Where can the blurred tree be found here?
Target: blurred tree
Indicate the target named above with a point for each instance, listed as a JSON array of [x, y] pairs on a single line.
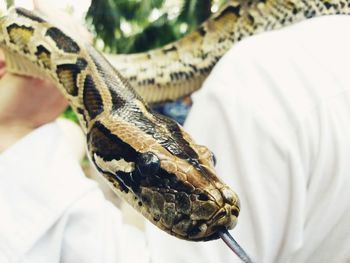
[[9, 3], [134, 26]]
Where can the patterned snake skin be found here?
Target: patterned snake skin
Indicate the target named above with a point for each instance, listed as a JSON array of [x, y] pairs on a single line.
[[178, 69], [146, 158]]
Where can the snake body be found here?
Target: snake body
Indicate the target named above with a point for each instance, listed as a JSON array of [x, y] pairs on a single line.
[[146, 158], [179, 69]]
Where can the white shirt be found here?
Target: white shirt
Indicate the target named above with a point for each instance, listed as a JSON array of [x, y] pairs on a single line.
[[50, 212], [276, 112]]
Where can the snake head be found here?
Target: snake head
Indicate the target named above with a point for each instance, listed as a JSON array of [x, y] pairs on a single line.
[[166, 176], [184, 196]]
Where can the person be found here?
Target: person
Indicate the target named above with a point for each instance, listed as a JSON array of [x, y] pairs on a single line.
[[50, 212], [276, 113]]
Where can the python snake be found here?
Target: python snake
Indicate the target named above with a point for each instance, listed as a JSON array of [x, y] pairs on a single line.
[[146, 158]]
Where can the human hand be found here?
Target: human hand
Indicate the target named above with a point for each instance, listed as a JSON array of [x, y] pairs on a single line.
[[27, 103]]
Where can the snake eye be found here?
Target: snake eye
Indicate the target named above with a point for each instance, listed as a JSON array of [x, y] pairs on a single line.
[[147, 164]]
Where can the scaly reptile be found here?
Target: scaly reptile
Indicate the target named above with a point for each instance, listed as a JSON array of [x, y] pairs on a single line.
[[146, 158]]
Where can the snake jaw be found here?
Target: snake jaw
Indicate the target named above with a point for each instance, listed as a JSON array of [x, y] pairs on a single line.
[[224, 217]]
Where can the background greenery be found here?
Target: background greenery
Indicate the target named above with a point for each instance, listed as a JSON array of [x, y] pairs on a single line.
[[130, 26]]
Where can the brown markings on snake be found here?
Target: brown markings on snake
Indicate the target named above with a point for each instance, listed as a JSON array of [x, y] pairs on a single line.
[[173, 207], [81, 112], [172, 141], [44, 55], [179, 75], [92, 98], [112, 178], [68, 74], [62, 41], [327, 5], [25, 13], [182, 148], [133, 78], [20, 36], [113, 80], [117, 101], [201, 30], [150, 81], [167, 198], [110, 147], [229, 10], [172, 48]]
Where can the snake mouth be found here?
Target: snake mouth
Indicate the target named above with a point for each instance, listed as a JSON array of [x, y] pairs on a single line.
[[225, 218], [208, 217]]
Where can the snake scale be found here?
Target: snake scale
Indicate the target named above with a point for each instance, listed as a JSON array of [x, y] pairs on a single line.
[[146, 158]]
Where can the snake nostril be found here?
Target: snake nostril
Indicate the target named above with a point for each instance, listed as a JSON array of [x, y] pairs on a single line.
[[234, 212]]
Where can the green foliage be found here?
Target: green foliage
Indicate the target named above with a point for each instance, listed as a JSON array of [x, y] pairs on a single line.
[[69, 114], [9, 3], [137, 25]]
